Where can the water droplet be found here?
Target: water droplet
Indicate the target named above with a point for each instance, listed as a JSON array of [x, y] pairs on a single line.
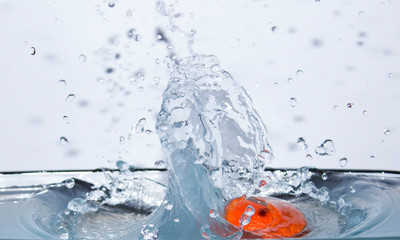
[[215, 68], [141, 89], [343, 162], [111, 4], [275, 84], [82, 58], [160, 163], [335, 107], [77, 205], [326, 148], [293, 102], [262, 183], [62, 82], [132, 33], [365, 112], [299, 72], [372, 157], [33, 50], [257, 84], [171, 8], [386, 132], [64, 140], [70, 98], [324, 176], [213, 213], [266, 156], [350, 105], [121, 140], [142, 121], [164, 127], [317, 0], [168, 205], [274, 29], [361, 13], [148, 132], [129, 13], [158, 61], [70, 183], [122, 165], [66, 119], [390, 75], [290, 80], [149, 232], [156, 81], [176, 219], [309, 157], [249, 211], [352, 189], [97, 7], [301, 143]]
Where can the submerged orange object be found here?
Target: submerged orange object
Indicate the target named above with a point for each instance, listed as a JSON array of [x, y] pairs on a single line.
[[273, 218]]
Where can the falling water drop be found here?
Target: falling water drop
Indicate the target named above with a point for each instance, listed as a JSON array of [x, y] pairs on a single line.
[[352, 189], [175, 219], [160, 163], [309, 157], [350, 105], [372, 157], [66, 119], [33, 50], [111, 3], [386, 132], [168, 206], [293, 102], [390, 75], [70, 98], [324, 176], [365, 112], [62, 82], [142, 121], [326, 148], [301, 143], [122, 165], [343, 162], [361, 13], [274, 29], [64, 140], [290, 80], [82, 58], [149, 232], [129, 13], [121, 140], [299, 72]]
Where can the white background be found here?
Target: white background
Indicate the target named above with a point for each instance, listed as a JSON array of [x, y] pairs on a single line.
[[349, 52]]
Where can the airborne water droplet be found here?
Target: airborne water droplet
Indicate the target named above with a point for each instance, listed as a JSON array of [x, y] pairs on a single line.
[[290, 80], [343, 162], [70, 98], [299, 72], [274, 29], [176, 219], [390, 75], [386, 132], [372, 157], [301, 143], [326, 148], [111, 3], [142, 121], [33, 51], [160, 163], [64, 140], [350, 105], [82, 58], [149, 232], [66, 119], [121, 140], [293, 102], [168, 205], [365, 112], [62, 82], [129, 13], [309, 157], [213, 213], [324, 176]]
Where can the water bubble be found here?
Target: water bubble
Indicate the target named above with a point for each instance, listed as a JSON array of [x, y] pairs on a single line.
[[70, 183], [122, 165], [121, 140], [64, 140], [326, 148], [33, 50], [70, 98], [309, 157], [176, 219], [82, 58], [213, 213], [66, 119], [301, 143], [293, 102], [149, 232], [350, 105], [160, 163], [299, 72], [324, 176], [274, 29], [343, 162], [386, 132], [129, 13], [62, 82], [168, 205]]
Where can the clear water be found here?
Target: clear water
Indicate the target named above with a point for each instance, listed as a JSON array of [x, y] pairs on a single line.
[[217, 150]]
